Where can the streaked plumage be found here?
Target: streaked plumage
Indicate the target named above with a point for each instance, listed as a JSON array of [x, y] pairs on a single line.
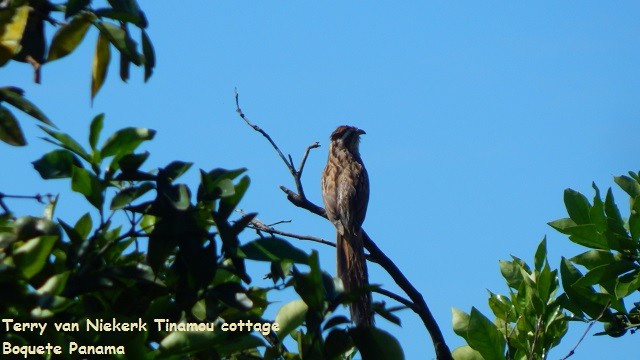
[[345, 191]]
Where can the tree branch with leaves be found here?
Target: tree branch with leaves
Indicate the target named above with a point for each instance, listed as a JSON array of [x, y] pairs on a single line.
[[416, 302]]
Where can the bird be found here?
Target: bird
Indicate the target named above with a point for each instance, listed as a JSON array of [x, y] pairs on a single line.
[[345, 193]]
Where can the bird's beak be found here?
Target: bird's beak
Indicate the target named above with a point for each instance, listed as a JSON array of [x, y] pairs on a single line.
[[361, 132]]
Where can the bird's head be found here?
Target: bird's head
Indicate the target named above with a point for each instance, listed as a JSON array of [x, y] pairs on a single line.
[[347, 137]]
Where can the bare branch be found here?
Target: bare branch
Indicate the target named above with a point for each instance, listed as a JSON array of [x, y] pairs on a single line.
[[279, 222], [264, 133], [37, 197], [573, 351], [4, 206], [302, 202], [259, 225], [376, 255], [296, 173], [290, 159], [396, 297], [306, 154]]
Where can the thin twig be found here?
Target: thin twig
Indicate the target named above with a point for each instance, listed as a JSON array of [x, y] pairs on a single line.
[[296, 173], [573, 351], [396, 308], [260, 226], [396, 297], [535, 338], [4, 206], [306, 155], [36, 197], [258, 129], [376, 255], [279, 222]]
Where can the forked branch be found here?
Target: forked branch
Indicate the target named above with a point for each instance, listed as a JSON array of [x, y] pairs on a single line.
[[298, 198], [296, 173]]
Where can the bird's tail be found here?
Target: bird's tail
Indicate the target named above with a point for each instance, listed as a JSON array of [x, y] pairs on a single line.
[[352, 269]]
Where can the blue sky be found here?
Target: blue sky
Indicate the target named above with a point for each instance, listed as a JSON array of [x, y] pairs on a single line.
[[478, 116]]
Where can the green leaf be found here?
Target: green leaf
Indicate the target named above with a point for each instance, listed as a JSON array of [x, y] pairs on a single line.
[[179, 196], [69, 36], [94, 131], [84, 225], [634, 220], [290, 316], [88, 185], [120, 38], [132, 162], [12, 25], [484, 336], [109, 13], [54, 285], [502, 307], [66, 142], [75, 6], [466, 353], [229, 203], [149, 56], [337, 343], [233, 294], [50, 208], [627, 284], [541, 254], [596, 213], [309, 286], [162, 242], [376, 344], [175, 169], [128, 195], [562, 225], [31, 256], [577, 206], [217, 183], [33, 43], [614, 220], [127, 11], [566, 303], [605, 273], [10, 131], [242, 223], [57, 164], [588, 235], [629, 185], [593, 258], [511, 272], [460, 321], [546, 283], [239, 344], [585, 298], [619, 242], [190, 342], [100, 66], [125, 141], [125, 66], [273, 249], [14, 97]]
